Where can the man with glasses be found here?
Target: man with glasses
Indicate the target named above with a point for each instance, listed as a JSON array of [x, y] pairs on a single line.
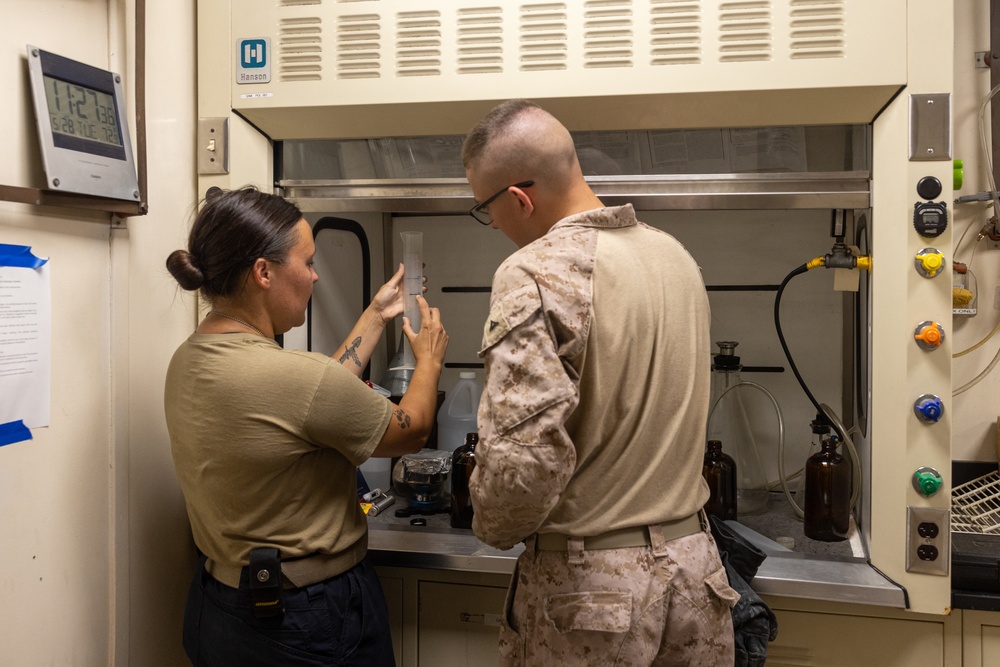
[[592, 421]]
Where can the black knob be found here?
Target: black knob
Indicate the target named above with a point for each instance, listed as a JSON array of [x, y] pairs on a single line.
[[929, 187]]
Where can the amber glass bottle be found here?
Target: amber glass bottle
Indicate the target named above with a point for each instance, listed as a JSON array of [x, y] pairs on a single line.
[[828, 494], [462, 463], [719, 471]]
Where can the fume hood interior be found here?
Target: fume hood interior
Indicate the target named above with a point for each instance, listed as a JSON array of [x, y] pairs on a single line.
[[749, 204]]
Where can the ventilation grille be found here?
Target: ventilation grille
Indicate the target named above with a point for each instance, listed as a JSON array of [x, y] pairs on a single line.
[[608, 33], [676, 32], [300, 49], [480, 41], [358, 42], [433, 39], [418, 43], [817, 29], [745, 31], [544, 36]]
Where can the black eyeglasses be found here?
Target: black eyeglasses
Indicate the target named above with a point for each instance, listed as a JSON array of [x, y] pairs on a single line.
[[479, 211]]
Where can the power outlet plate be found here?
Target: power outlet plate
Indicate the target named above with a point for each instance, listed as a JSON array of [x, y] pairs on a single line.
[[928, 541]]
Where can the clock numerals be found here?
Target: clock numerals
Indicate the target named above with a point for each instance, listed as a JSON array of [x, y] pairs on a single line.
[[82, 112]]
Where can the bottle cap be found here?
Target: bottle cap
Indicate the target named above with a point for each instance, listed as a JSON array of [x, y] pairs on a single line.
[[821, 424]]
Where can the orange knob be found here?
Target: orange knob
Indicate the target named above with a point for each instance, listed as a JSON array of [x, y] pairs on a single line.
[[930, 335]]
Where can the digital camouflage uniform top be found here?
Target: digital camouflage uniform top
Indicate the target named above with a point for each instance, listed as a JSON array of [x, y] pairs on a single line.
[[598, 361]]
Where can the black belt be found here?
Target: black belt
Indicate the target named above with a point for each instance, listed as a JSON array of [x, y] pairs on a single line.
[[298, 572]]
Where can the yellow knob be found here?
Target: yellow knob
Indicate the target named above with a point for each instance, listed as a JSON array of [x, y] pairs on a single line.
[[931, 262]]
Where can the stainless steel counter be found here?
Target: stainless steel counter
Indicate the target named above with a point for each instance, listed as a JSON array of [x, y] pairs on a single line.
[[392, 541]]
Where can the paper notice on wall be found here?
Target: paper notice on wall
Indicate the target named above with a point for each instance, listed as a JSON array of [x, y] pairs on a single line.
[[422, 157], [608, 153], [689, 151], [768, 149], [722, 151], [25, 343]]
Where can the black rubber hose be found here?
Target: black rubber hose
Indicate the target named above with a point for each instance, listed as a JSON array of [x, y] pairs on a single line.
[[781, 338]]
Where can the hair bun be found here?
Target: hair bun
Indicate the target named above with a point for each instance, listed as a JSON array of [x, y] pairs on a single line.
[[184, 267]]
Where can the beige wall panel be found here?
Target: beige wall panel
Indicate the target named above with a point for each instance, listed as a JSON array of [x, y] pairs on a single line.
[[160, 316], [37, 27], [55, 490]]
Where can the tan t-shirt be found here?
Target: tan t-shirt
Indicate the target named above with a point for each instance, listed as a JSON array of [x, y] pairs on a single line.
[[266, 443], [598, 355]]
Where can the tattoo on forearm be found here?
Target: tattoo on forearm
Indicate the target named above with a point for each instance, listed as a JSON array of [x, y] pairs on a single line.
[[352, 352], [403, 419]]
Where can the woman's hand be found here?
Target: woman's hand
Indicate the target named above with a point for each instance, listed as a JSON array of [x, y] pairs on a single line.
[[431, 342], [414, 417], [388, 301]]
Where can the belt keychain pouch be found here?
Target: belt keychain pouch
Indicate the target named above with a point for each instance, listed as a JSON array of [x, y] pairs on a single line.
[[265, 582]]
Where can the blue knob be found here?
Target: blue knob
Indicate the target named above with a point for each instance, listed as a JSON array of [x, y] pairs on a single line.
[[928, 408]]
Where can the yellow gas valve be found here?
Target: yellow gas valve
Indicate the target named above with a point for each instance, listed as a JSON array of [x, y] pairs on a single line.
[[929, 262]]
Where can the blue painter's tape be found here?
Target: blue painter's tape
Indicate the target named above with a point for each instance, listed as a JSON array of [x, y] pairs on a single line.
[[19, 255], [12, 432]]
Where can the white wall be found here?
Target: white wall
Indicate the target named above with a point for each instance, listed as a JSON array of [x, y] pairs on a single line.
[[96, 550]]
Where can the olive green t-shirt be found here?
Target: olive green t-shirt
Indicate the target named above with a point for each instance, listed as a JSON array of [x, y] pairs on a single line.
[[266, 442]]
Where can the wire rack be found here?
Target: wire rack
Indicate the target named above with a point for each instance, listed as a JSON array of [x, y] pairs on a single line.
[[975, 505]]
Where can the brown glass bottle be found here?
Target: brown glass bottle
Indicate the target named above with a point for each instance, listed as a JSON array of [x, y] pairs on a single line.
[[828, 494], [462, 463], [719, 471]]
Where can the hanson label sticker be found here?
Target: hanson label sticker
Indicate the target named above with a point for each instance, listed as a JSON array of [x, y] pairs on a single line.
[[253, 60]]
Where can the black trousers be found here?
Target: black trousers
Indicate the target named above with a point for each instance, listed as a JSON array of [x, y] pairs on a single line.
[[340, 621]]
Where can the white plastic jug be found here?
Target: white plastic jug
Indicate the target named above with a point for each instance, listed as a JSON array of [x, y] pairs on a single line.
[[457, 415], [377, 473]]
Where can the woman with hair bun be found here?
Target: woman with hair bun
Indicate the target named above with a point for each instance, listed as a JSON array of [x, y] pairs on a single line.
[[266, 443]]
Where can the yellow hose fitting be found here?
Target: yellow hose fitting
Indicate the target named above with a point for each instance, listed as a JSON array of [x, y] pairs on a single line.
[[815, 263], [865, 263]]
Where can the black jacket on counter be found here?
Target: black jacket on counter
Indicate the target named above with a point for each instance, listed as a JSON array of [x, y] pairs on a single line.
[[754, 624]]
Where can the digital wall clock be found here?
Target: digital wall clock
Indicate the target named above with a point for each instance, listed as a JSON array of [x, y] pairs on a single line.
[[82, 126]]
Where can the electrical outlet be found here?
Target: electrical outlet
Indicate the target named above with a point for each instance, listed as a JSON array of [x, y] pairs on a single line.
[[928, 543]]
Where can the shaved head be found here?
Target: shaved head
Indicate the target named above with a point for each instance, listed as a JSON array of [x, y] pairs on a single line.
[[522, 164], [518, 141]]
